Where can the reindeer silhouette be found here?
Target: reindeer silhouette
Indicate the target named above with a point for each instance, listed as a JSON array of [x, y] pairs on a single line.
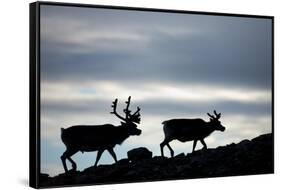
[[86, 138], [190, 130]]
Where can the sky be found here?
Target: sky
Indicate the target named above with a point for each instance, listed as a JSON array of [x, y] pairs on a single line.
[[173, 66]]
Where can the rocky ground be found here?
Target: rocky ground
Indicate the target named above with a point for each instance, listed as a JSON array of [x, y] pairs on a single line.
[[247, 157]]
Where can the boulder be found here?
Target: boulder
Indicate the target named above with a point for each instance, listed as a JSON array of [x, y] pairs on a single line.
[[181, 155], [139, 154]]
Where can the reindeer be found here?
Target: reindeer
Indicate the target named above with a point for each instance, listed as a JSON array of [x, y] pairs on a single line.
[[190, 130], [86, 138]]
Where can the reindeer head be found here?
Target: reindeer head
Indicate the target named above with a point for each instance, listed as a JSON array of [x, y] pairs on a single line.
[[130, 120], [214, 121]]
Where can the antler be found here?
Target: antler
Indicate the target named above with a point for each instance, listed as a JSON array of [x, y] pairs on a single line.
[[135, 117], [137, 112], [126, 110], [217, 115], [114, 106], [211, 116]]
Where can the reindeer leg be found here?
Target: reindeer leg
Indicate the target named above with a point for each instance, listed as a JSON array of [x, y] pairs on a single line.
[[98, 157], [203, 143], [171, 150], [166, 142], [162, 147], [74, 166], [194, 145], [67, 155], [63, 158], [112, 153]]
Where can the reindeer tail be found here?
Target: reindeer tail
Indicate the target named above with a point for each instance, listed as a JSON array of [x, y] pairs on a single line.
[[63, 135]]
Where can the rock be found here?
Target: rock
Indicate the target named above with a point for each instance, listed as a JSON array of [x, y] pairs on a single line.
[[244, 144], [159, 158], [245, 158], [139, 154], [123, 161], [44, 177], [261, 138], [181, 155]]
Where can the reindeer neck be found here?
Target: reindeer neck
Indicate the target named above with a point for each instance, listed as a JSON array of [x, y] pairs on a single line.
[[121, 134], [210, 126]]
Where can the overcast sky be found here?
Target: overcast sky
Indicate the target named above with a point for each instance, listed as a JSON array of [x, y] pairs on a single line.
[[173, 66]]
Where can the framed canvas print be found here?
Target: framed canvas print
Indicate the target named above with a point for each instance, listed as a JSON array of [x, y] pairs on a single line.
[[122, 94]]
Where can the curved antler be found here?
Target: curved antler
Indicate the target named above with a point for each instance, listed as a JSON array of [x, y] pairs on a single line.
[[135, 117], [114, 106], [137, 112], [126, 110], [217, 115], [211, 116]]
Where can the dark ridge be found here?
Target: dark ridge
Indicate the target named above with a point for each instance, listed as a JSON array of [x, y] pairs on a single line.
[[245, 158]]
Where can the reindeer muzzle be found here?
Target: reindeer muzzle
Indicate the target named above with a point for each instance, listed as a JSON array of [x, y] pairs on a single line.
[[138, 132], [222, 129]]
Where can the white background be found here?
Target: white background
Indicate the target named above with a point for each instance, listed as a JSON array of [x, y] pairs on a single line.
[[14, 77]]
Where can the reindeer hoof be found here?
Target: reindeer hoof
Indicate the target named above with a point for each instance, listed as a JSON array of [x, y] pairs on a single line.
[[74, 167], [72, 170]]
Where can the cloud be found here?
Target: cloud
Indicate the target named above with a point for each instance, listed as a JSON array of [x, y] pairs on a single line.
[[163, 47], [104, 90]]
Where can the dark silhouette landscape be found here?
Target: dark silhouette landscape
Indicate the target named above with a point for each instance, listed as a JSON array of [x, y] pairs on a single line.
[[244, 158]]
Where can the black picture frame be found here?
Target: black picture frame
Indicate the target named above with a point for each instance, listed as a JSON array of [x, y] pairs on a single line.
[[35, 85]]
